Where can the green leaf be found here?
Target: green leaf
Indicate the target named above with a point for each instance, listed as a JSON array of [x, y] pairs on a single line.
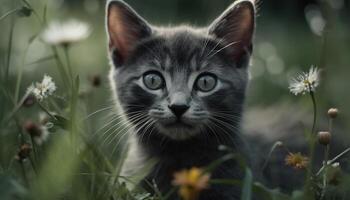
[[61, 122], [247, 185], [265, 193], [77, 84], [10, 188]]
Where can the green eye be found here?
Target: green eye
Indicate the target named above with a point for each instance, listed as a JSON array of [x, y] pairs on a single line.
[[153, 80], [206, 82]]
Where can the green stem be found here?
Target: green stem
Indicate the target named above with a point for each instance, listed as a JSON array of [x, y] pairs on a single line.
[[308, 186], [60, 67], [20, 73], [33, 165], [17, 107], [9, 50], [326, 157], [335, 159], [315, 111], [46, 111], [277, 144], [34, 148], [70, 71], [9, 13], [24, 173]]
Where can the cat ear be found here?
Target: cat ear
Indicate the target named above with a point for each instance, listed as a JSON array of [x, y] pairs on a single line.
[[235, 28], [125, 29]]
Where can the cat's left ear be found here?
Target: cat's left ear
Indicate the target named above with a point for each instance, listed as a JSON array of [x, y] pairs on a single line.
[[235, 28]]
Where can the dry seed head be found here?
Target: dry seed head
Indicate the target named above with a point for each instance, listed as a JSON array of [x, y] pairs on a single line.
[[324, 137], [32, 129], [23, 152], [333, 113]]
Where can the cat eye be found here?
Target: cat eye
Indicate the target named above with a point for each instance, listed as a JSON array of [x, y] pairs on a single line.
[[153, 80], [206, 82]]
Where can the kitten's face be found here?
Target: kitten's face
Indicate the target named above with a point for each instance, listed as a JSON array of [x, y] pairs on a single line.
[[179, 81]]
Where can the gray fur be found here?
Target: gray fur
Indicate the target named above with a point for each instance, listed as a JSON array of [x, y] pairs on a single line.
[[181, 55]]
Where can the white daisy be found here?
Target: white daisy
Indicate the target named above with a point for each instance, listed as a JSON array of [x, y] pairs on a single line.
[[306, 82], [44, 89], [58, 33]]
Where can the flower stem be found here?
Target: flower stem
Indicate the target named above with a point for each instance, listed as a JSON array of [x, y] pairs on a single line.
[[315, 111], [9, 49], [66, 52], [24, 173], [45, 110], [325, 166], [325, 162], [60, 67], [9, 13], [33, 165], [309, 175], [34, 148]]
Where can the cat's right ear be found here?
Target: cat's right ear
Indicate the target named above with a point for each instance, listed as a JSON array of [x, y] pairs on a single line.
[[125, 29]]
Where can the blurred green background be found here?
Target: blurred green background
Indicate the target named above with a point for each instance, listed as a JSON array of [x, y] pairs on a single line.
[[290, 37]]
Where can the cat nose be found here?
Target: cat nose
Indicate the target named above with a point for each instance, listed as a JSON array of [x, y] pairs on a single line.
[[178, 110]]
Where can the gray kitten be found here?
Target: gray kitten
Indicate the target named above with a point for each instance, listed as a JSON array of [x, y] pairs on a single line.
[[183, 90]]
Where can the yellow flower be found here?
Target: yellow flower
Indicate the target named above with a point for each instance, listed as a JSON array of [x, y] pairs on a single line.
[[297, 160], [191, 182]]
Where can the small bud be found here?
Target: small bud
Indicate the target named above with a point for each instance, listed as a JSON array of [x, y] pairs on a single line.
[[333, 113], [324, 137], [29, 101], [23, 152], [95, 80], [279, 144], [32, 129], [335, 165]]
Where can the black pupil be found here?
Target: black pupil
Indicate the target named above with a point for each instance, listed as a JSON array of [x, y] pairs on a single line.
[[205, 82], [152, 80]]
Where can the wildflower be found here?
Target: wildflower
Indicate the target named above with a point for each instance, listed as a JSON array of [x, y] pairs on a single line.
[[191, 182], [333, 113], [23, 152], [66, 33], [297, 160], [39, 133], [44, 89], [305, 82], [324, 137]]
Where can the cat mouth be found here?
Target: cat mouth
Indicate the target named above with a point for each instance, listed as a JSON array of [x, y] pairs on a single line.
[[178, 123]]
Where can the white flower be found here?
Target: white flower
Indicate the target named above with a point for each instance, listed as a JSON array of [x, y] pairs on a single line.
[[58, 33], [44, 135], [44, 89], [336, 165], [305, 82]]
